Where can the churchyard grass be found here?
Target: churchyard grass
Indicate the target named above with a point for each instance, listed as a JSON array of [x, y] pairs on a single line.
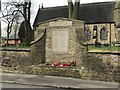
[[104, 48]]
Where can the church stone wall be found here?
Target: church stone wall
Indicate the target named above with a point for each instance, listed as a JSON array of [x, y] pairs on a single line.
[[58, 41], [111, 33], [72, 50]]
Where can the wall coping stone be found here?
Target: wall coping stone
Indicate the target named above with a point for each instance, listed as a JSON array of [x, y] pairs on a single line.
[[104, 52], [38, 39], [16, 49]]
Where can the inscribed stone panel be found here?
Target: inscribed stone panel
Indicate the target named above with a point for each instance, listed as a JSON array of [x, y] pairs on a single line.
[[61, 23], [60, 39]]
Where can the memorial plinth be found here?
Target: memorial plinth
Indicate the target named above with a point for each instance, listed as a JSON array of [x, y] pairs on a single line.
[[62, 40]]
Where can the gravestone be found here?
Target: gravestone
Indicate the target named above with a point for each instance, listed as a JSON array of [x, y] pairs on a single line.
[[61, 39]]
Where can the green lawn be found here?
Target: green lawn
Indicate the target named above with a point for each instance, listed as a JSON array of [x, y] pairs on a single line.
[[104, 48]]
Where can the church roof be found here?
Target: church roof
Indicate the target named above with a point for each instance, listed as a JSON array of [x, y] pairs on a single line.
[[101, 12]]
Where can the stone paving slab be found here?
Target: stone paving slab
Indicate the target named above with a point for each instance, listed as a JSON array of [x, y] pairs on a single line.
[[53, 81]]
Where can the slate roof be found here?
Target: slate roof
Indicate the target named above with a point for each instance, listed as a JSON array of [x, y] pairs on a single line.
[[101, 12]]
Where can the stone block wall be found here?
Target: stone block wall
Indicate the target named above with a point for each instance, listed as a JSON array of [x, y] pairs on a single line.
[[75, 49], [73, 53], [42, 46], [111, 35], [37, 54], [104, 67], [15, 58], [94, 66]]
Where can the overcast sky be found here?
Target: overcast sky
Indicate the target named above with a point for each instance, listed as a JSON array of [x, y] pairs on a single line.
[[52, 3]]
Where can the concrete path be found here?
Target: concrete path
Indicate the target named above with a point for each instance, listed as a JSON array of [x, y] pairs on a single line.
[[54, 81]]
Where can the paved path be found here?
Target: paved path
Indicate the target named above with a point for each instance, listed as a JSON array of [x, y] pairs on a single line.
[[28, 87], [53, 81], [11, 85]]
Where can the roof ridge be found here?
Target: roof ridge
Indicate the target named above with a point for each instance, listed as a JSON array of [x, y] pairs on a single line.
[[56, 7]]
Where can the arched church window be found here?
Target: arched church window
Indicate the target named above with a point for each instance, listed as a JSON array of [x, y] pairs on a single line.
[[87, 33], [103, 33]]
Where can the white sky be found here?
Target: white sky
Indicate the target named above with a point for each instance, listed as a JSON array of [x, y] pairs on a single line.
[[51, 3]]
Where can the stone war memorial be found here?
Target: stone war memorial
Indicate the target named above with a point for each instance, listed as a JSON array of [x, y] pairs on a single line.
[[58, 40], [62, 40]]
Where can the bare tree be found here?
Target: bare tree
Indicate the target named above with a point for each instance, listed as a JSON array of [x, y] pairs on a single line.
[[11, 11], [16, 26], [15, 10]]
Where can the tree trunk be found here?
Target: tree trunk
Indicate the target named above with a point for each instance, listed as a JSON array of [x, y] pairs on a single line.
[[7, 34], [70, 8], [7, 44], [29, 12], [73, 11], [16, 33], [25, 24], [76, 9], [15, 38]]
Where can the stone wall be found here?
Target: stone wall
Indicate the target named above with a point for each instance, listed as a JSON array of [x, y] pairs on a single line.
[[43, 46], [37, 54], [94, 66], [15, 58], [104, 67], [74, 48], [73, 52], [111, 33]]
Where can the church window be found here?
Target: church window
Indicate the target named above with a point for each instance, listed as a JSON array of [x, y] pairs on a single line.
[[87, 33], [103, 33]]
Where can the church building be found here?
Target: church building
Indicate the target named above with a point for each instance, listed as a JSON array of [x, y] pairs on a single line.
[[99, 18]]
